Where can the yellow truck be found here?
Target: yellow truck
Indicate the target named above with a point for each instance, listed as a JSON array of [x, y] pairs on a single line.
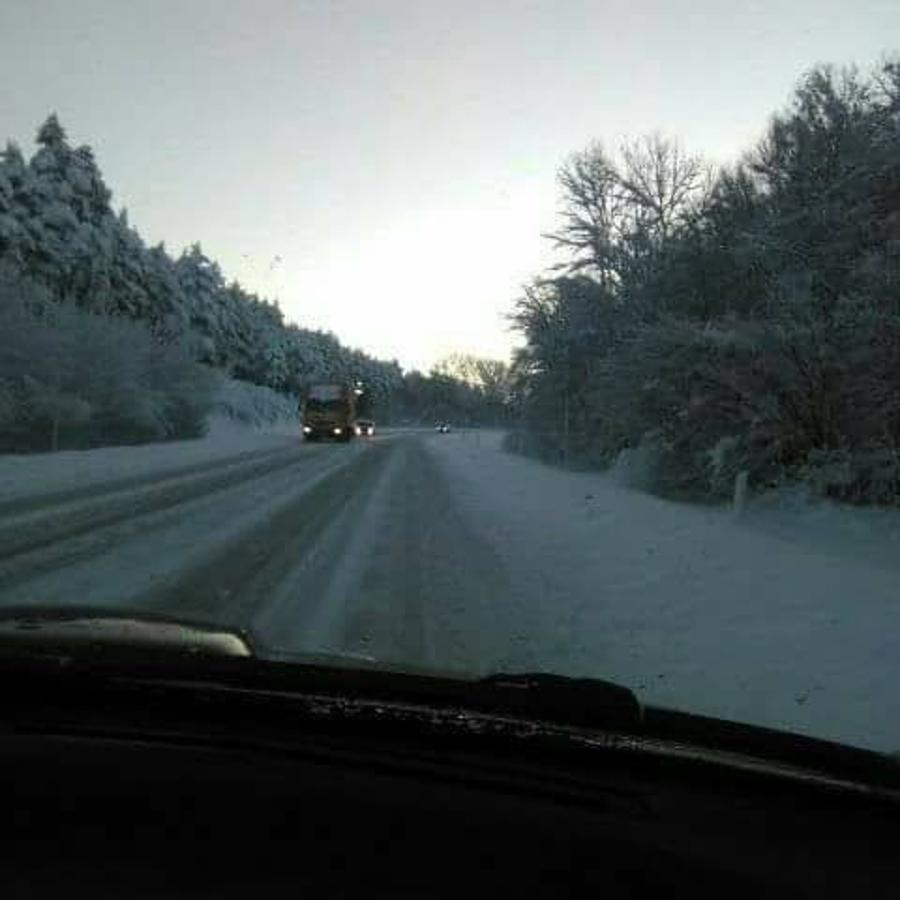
[[328, 412]]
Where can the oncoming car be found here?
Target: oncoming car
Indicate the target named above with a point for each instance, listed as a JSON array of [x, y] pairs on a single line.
[[364, 428], [442, 428]]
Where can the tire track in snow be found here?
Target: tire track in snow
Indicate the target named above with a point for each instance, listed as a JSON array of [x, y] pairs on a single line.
[[34, 544], [428, 591], [394, 576], [309, 610], [32, 503], [246, 573], [348, 551]]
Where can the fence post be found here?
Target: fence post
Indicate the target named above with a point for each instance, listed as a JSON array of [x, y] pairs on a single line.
[[739, 499]]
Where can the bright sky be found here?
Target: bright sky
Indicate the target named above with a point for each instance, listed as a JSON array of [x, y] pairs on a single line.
[[397, 156]]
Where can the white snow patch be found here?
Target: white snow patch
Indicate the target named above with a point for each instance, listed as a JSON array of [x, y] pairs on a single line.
[[766, 620], [157, 549], [245, 417], [33, 474], [255, 405]]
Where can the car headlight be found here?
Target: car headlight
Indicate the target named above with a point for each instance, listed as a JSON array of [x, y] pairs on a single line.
[[307, 429], [358, 430], [337, 430]]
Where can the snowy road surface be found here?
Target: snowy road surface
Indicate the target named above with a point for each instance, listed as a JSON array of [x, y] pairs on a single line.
[[442, 551]]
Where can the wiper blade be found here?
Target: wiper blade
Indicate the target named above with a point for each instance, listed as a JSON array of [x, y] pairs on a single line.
[[575, 701], [90, 635], [90, 632]]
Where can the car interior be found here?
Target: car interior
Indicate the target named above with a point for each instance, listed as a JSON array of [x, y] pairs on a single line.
[[152, 784]]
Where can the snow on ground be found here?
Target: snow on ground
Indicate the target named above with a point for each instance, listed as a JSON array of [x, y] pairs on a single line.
[[759, 620], [33, 474], [788, 617], [864, 534], [245, 417], [157, 548]]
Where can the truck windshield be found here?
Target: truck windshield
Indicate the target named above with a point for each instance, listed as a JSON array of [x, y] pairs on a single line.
[[325, 405]]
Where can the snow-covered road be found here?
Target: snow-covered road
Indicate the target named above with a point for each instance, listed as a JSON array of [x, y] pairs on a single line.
[[779, 619], [445, 552]]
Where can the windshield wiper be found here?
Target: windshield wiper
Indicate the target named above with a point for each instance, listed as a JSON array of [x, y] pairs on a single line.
[[92, 631], [92, 635], [575, 701], [157, 649]]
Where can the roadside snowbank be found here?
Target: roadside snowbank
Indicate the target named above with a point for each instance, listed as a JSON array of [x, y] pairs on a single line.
[[245, 417], [254, 406], [33, 474], [759, 621]]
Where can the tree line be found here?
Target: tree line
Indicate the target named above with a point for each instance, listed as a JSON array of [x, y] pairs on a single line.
[[104, 339], [706, 323]]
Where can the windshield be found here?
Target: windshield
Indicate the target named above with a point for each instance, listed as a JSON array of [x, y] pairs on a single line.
[[325, 405], [642, 257]]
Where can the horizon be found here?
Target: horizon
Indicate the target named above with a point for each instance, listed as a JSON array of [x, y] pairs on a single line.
[[386, 174]]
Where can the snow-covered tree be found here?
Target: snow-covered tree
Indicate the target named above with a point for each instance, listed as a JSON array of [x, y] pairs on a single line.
[[202, 286], [59, 233], [750, 323], [14, 187]]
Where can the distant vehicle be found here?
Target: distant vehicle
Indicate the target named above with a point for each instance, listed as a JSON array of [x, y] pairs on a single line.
[[329, 411], [365, 428], [443, 428]]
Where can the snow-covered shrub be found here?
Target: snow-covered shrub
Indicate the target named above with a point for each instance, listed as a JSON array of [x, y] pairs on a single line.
[[639, 467], [252, 404], [724, 462], [871, 476], [72, 379]]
